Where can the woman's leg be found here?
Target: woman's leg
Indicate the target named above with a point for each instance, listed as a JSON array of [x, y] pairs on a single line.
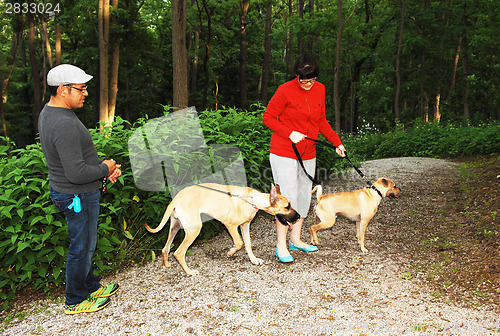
[[281, 239]]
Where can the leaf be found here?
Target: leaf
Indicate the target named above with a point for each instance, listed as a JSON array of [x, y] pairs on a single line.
[[128, 235], [21, 246], [36, 220], [60, 250]]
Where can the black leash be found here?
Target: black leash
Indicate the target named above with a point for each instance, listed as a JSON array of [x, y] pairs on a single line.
[[228, 193], [327, 144]]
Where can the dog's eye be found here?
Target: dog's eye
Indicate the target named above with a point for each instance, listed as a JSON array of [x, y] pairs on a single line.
[[288, 207]]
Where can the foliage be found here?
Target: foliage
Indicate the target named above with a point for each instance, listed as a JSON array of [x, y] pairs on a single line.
[[427, 139], [436, 33]]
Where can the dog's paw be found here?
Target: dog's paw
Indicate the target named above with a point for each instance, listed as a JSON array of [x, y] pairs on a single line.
[[364, 249], [257, 261], [166, 264], [193, 273], [231, 252]]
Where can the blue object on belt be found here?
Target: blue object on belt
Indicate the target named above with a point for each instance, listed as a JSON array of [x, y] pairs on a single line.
[[76, 205]]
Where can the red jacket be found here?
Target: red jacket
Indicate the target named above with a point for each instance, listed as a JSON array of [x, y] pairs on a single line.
[[294, 109]]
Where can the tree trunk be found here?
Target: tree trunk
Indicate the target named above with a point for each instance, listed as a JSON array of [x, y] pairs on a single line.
[[336, 70], [336, 83], [244, 4], [454, 71], [206, 57], [4, 86], [103, 16], [45, 38], [115, 63], [398, 63], [57, 39], [465, 67], [194, 66], [300, 9], [58, 43], [267, 54], [179, 55], [35, 73], [310, 38], [289, 43]]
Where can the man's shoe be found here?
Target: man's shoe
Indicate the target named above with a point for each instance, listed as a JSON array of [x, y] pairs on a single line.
[[104, 291], [87, 306], [293, 247]]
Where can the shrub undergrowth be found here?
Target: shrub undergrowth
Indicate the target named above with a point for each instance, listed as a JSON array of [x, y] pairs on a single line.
[[33, 235]]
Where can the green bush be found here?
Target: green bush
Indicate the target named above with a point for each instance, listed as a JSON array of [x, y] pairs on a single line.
[[427, 139]]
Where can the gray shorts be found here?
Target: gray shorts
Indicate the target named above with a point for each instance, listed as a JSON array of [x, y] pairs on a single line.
[[293, 182]]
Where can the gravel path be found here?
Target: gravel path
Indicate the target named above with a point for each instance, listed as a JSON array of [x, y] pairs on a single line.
[[337, 290]]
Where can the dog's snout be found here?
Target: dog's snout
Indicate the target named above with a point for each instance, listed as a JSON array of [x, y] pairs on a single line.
[[288, 218]]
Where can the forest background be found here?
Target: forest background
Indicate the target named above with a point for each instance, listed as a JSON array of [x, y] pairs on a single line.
[[381, 61], [402, 78]]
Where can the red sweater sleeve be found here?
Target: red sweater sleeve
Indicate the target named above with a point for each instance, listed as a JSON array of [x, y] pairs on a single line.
[[275, 107], [328, 132]]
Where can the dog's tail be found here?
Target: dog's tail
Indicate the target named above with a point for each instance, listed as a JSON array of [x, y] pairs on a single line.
[[319, 194], [164, 220]]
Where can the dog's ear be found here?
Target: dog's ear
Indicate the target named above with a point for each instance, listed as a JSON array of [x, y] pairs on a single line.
[[278, 190], [385, 182], [273, 195]]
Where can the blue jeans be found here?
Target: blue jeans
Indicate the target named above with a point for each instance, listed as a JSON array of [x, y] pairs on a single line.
[[82, 231]]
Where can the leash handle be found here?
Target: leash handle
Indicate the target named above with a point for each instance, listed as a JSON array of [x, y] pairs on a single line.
[[299, 158], [327, 144]]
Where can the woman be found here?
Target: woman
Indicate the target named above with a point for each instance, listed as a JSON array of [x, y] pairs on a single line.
[[297, 111]]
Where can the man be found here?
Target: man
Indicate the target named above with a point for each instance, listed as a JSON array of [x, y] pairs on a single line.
[[75, 171]]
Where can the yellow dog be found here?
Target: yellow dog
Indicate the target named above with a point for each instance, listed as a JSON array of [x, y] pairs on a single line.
[[233, 206], [359, 206]]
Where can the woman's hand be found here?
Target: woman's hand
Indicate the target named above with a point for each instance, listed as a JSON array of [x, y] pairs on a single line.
[[296, 137], [341, 150]]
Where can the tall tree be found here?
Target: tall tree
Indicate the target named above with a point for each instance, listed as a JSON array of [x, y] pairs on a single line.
[[398, 61], [465, 65], [103, 16], [35, 73], [115, 63], [289, 42], [300, 9], [17, 35], [57, 30], [179, 54], [244, 4], [336, 84], [267, 53]]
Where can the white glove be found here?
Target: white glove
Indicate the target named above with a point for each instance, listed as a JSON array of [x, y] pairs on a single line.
[[296, 137]]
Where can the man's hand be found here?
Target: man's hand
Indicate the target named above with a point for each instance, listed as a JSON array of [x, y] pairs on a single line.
[[115, 174], [111, 165], [114, 171]]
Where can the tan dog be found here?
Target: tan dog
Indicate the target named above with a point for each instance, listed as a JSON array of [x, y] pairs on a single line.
[[359, 206], [233, 206]]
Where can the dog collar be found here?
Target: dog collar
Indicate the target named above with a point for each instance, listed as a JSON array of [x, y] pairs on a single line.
[[371, 186]]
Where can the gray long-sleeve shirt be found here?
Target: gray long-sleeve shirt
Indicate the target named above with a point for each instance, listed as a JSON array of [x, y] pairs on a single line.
[[72, 160]]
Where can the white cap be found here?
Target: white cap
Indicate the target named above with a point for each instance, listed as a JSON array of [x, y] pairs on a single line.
[[65, 74]]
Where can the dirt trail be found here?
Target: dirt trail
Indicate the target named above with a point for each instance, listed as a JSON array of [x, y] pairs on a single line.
[[336, 290]]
